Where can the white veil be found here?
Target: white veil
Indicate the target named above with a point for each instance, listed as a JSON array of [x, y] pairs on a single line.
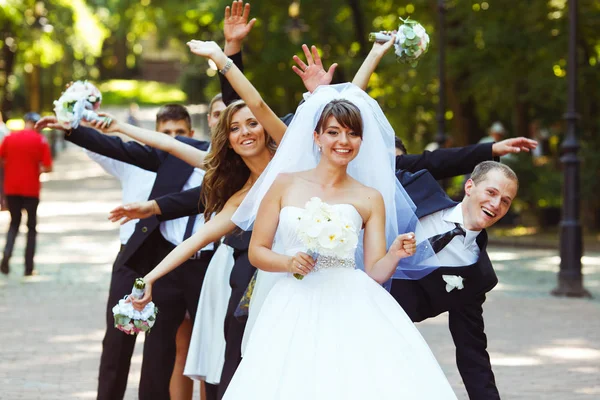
[[374, 166]]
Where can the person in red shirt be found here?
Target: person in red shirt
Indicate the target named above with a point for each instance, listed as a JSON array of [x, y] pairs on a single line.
[[25, 155]]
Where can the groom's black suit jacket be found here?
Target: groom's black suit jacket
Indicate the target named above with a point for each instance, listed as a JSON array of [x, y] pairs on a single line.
[[427, 297]]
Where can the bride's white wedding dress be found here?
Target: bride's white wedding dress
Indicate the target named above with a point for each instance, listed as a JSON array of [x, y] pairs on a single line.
[[336, 334]]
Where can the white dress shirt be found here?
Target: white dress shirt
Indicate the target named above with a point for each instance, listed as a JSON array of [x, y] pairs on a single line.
[[462, 250], [174, 230], [136, 184]]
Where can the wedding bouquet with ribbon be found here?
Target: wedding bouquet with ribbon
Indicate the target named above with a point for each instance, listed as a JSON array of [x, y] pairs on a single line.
[[130, 320], [80, 101], [412, 41], [324, 231]]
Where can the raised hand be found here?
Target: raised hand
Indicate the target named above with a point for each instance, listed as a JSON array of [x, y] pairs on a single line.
[[313, 74], [404, 245], [209, 50], [514, 145], [236, 26], [131, 211], [52, 123], [379, 49]]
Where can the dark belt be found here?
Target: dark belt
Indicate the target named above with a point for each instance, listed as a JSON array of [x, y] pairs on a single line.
[[202, 255]]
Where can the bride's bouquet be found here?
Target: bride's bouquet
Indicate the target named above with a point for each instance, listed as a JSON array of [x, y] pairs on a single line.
[[412, 41], [130, 320], [324, 232], [81, 100]]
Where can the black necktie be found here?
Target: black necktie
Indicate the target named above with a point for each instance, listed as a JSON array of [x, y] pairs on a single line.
[[189, 227], [438, 242]]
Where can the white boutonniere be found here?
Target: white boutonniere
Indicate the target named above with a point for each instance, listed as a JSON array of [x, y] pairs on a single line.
[[453, 282]]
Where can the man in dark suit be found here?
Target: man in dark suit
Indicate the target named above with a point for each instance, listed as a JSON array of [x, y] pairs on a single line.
[[458, 237], [151, 241]]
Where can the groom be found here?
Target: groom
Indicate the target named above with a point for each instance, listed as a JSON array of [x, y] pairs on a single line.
[[457, 235]]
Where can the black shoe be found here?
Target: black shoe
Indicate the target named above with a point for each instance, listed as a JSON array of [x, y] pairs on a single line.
[[31, 273], [4, 267]]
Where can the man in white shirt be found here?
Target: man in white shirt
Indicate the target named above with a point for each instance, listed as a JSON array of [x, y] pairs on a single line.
[[456, 232]]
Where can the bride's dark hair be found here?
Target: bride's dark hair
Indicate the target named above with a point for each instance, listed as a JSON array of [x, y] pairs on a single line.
[[226, 172], [345, 112]]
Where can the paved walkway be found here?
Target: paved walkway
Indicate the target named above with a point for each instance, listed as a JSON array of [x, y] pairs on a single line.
[[51, 325]]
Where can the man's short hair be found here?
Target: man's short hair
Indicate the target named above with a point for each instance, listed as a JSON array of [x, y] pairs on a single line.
[[32, 117], [218, 97], [173, 112], [483, 168], [400, 145]]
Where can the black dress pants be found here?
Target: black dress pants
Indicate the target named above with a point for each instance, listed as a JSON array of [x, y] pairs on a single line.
[[15, 205]]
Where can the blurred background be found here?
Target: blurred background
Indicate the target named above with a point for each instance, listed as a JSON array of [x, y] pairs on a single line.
[[505, 62]]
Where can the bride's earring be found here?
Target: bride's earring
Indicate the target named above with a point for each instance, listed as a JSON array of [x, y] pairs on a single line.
[[320, 149]]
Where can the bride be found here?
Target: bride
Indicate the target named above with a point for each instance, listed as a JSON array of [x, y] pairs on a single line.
[[336, 333]]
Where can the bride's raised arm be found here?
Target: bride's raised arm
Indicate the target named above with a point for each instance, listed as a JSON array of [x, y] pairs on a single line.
[[361, 79], [263, 113]]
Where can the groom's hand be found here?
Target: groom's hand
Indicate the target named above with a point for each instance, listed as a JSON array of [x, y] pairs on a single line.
[[515, 145]]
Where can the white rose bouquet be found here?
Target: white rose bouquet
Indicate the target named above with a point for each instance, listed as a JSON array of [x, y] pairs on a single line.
[[130, 320], [412, 41], [80, 100], [324, 232]]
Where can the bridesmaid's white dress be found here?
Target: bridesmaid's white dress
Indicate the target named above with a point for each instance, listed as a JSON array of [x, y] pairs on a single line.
[[334, 335], [206, 354]]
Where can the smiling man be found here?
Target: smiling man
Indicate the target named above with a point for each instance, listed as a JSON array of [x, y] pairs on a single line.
[[463, 273]]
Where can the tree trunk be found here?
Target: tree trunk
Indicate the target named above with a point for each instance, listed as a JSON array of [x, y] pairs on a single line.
[[359, 25]]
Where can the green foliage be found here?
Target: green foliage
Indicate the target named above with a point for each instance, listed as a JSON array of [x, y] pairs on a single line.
[[123, 92]]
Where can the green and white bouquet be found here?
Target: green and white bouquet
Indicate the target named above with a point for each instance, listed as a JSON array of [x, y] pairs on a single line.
[[130, 320], [325, 232], [80, 101], [412, 41]]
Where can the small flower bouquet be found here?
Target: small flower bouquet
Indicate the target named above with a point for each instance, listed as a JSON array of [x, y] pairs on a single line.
[[80, 100], [130, 320], [324, 232], [412, 41]]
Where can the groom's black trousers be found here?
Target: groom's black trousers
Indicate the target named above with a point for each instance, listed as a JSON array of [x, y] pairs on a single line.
[[173, 294]]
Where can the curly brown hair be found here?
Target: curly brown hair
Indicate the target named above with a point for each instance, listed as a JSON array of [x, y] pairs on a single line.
[[226, 172]]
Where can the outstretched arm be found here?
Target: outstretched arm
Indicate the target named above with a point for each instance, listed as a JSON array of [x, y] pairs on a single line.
[[361, 79], [242, 86], [157, 140], [447, 163], [211, 231]]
